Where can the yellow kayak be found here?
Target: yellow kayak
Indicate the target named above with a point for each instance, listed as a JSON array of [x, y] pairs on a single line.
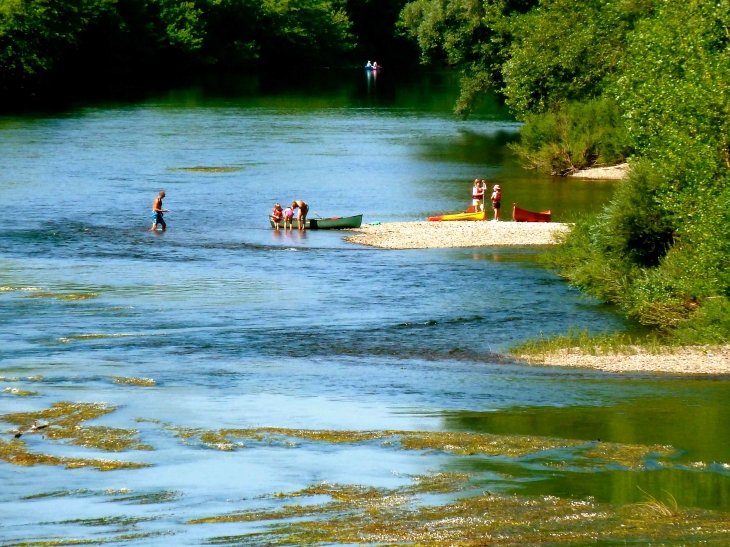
[[460, 216]]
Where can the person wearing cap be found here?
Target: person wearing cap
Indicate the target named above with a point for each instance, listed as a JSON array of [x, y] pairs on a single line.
[[496, 201]]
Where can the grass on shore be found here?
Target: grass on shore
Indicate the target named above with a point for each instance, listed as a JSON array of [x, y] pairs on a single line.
[[600, 344]]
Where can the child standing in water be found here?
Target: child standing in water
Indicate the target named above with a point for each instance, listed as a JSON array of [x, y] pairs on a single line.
[[288, 218], [276, 214], [496, 200]]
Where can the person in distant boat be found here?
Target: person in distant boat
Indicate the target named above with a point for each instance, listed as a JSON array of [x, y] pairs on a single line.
[[369, 65], [375, 65], [477, 196], [303, 210], [276, 214], [288, 218], [157, 211], [496, 200]]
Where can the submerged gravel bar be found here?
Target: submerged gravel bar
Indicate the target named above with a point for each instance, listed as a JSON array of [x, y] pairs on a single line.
[[434, 235]]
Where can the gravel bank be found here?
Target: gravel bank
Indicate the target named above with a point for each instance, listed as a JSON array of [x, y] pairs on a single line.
[[615, 172], [435, 235], [686, 360]]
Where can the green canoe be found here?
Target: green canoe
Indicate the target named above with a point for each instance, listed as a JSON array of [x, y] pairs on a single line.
[[334, 223]]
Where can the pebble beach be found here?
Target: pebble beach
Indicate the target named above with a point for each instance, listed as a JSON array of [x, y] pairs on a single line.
[[682, 360], [440, 235]]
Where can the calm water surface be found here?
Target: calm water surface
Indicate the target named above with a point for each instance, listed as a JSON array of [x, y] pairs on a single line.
[[242, 327]]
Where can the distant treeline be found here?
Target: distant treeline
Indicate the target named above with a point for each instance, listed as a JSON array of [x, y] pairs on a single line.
[[45, 44], [599, 81]]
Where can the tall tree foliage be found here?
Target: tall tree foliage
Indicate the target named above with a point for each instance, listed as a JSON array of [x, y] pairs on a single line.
[[668, 230], [42, 40], [473, 35]]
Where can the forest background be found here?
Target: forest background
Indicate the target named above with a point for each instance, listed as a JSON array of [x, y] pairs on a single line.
[[596, 82]]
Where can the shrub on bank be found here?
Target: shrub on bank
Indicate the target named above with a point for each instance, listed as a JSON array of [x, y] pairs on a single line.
[[574, 136]]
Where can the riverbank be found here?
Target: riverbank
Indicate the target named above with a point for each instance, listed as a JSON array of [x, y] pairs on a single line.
[[673, 360], [613, 172], [439, 235]]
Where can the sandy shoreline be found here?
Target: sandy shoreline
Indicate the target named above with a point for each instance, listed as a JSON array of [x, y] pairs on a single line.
[[441, 235], [683, 360], [614, 172]]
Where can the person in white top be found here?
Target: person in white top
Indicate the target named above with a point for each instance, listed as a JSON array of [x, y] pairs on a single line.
[[477, 196]]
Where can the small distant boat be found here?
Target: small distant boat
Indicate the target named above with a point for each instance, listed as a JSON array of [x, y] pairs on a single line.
[[373, 68], [482, 215], [332, 223], [522, 215]]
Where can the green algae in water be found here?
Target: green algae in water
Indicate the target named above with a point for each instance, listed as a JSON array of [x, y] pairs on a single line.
[[84, 492], [36, 378], [514, 446], [57, 494], [459, 443], [475, 521], [146, 382], [119, 495], [63, 414], [123, 521], [627, 455], [19, 392], [15, 452], [122, 538], [63, 423], [346, 498], [162, 496], [109, 439], [201, 169], [67, 339], [68, 297]]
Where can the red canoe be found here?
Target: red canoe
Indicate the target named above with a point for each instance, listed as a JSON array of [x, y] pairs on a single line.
[[521, 215]]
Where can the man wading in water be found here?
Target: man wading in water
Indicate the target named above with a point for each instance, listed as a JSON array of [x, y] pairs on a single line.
[[157, 211]]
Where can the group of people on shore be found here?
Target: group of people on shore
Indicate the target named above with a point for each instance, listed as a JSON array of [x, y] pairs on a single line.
[[479, 191], [287, 215]]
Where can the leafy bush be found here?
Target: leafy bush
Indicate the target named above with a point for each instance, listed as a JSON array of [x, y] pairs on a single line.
[[574, 136]]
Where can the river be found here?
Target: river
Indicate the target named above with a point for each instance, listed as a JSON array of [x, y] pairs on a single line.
[[207, 357]]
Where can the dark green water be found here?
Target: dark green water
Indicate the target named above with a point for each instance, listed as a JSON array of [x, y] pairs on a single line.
[[243, 328]]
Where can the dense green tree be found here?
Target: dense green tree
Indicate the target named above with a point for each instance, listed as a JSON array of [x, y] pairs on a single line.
[[661, 247], [472, 35], [61, 41], [34, 35]]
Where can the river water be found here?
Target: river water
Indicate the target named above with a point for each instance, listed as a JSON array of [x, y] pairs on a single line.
[[220, 323]]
